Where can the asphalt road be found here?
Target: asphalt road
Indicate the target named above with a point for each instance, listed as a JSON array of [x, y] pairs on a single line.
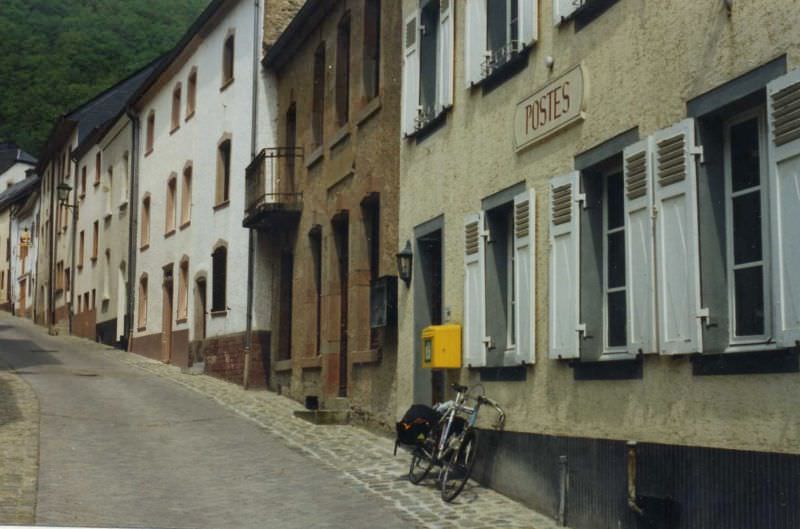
[[121, 447]]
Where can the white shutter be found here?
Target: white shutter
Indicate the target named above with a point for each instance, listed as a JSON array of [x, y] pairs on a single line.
[[563, 9], [564, 266], [639, 263], [677, 253], [475, 339], [410, 73], [525, 278], [474, 41], [783, 98], [444, 82], [528, 21]]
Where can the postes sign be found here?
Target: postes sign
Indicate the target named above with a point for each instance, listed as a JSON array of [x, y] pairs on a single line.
[[549, 109]]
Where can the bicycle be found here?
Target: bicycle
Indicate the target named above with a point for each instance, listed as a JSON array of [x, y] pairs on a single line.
[[452, 445]]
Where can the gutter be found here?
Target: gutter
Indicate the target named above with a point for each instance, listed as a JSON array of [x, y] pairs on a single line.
[[133, 220]]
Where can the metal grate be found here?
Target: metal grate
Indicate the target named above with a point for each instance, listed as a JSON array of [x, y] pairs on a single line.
[[671, 160], [562, 204], [521, 219], [411, 33], [636, 175], [472, 238], [786, 114]]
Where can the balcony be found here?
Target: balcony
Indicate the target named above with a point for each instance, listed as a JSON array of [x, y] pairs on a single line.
[[271, 198]]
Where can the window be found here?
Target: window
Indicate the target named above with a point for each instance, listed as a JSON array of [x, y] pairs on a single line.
[[94, 299], [372, 217], [318, 103], [343, 70], [223, 172], [86, 305], [83, 181], [142, 313], [499, 293], [151, 127], [227, 62], [82, 247], [372, 48], [219, 277], [191, 93], [496, 32], [110, 191], [169, 223], [60, 275], [746, 230], [97, 169], [145, 222], [291, 142], [107, 276], [428, 64], [176, 107], [614, 309], [183, 290], [95, 240], [186, 196], [123, 189], [66, 280]]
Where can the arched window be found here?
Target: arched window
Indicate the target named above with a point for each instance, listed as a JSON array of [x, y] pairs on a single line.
[[186, 195], [142, 313], [183, 290], [219, 263], [191, 93], [176, 107], [227, 61], [223, 172], [151, 125]]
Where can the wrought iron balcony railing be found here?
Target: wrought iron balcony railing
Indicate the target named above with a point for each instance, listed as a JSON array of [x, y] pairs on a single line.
[[270, 181]]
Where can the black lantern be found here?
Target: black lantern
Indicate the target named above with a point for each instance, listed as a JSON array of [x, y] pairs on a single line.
[[64, 190], [404, 261]]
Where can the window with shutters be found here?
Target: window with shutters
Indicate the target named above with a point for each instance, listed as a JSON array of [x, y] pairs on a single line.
[[318, 102], [176, 108], [343, 70], [502, 34], [614, 299], [500, 277], [219, 263], [428, 36], [371, 48]]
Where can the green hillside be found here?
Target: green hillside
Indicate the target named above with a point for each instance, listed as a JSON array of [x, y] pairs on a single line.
[[55, 54]]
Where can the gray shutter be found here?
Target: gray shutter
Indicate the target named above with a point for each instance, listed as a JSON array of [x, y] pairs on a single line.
[[783, 99], [474, 41], [677, 247], [525, 278], [444, 82], [410, 73], [564, 266], [475, 339], [563, 9], [528, 12]]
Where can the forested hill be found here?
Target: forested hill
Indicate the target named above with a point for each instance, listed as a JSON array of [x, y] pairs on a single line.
[[56, 54]]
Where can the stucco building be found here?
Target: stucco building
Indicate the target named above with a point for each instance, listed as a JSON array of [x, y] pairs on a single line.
[[323, 200], [605, 197], [18, 242]]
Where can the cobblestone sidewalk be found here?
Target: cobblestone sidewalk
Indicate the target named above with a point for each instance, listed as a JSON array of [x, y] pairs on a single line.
[[360, 456], [19, 449]]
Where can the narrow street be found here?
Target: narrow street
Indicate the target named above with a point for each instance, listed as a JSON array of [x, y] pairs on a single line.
[[125, 441]]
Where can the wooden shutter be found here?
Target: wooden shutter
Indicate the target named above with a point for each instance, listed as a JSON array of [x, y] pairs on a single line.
[[474, 41], [444, 83], [525, 278], [475, 339], [563, 9], [564, 266], [639, 263], [783, 99], [410, 73], [677, 249], [528, 21]]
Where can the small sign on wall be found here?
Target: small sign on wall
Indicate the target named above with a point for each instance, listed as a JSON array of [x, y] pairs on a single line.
[[551, 108]]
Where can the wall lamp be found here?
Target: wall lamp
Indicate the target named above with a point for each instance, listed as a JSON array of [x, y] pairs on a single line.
[[405, 258], [64, 189]]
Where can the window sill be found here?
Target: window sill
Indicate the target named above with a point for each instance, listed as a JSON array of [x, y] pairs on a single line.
[[222, 205], [502, 73], [219, 313], [189, 116], [181, 321], [309, 362], [340, 136], [169, 234], [185, 225], [175, 129], [283, 365], [226, 84], [314, 156], [371, 356], [429, 127], [144, 247], [369, 110]]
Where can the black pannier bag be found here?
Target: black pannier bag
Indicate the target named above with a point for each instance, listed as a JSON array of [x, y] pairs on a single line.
[[415, 425]]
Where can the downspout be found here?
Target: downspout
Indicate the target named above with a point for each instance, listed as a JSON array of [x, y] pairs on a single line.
[[133, 212], [51, 310], [73, 273], [248, 335]]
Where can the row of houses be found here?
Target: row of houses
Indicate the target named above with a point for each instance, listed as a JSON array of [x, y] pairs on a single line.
[[605, 195]]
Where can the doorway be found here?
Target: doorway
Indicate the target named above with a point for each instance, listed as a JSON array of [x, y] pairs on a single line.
[[429, 386], [166, 320], [23, 295], [285, 314], [341, 228]]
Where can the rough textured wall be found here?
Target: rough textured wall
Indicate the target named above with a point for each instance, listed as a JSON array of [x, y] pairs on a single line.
[[642, 61], [277, 15]]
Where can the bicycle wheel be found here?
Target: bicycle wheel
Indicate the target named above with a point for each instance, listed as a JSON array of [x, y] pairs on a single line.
[[459, 467], [421, 465]]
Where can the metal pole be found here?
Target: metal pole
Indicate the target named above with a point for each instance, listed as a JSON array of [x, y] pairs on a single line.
[[133, 212], [73, 275]]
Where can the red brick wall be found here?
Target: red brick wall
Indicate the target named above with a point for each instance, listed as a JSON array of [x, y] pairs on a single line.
[[224, 357], [85, 324]]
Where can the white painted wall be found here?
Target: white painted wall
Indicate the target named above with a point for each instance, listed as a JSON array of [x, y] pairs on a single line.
[[12, 175], [27, 273]]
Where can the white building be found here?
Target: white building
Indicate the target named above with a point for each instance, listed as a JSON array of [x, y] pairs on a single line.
[[24, 251], [14, 163]]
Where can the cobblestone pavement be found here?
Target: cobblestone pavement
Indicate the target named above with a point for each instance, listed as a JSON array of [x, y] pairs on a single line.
[[362, 457], [19, 448]]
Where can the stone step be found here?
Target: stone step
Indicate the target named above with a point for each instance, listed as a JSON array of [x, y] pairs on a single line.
[[323, 416], [337, 404]]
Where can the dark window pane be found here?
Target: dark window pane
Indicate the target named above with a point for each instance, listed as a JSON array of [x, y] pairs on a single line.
[[617, 319], [747, 228], [496, 24], [429, 18], [616, 208], [749, 285], [744, 155], [616, 259]]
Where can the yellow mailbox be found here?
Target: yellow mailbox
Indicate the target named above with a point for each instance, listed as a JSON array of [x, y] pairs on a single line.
[[441, 346]]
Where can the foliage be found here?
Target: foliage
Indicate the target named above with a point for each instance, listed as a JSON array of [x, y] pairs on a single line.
[[56, 54]]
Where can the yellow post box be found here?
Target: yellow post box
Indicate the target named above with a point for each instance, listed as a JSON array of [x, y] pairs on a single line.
[[441, 346]]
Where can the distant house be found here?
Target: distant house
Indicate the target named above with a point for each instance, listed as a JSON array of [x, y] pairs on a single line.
[[14, 162], [18, 244]]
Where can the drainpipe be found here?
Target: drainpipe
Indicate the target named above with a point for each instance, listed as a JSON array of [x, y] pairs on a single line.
[[73, 274], [133, 212], [248, 335], [51, 310]]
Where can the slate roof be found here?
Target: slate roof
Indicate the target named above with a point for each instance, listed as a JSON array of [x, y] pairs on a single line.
[[10, 154], [19, 191]]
